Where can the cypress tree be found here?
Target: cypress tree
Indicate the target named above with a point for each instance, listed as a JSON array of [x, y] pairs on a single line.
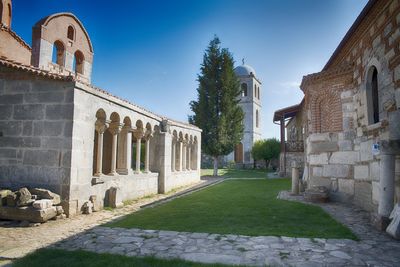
[[216, 110]]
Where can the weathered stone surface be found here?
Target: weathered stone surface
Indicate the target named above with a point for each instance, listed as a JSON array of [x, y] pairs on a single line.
[[318, 147], [366, 150], [11, 199], [346, 186], [363, 195], [344, 157], [3, 196], [24, 197], [41, 157], [317, 194], [317, 171], [29, 112], [338, 171], [114, 197], [42, 204], [361, 172], [59, 210], [27, 213], [87, 207], [394, 227], [96, 203], [46, 194], [318, 159]]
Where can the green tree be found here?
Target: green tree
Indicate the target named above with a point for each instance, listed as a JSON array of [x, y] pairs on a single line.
[[216, 110], [266, 149]]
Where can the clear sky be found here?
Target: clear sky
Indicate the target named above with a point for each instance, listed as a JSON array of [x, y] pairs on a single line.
[[149, 52]]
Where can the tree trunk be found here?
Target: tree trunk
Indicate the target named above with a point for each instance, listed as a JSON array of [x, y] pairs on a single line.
[[266, 164], [215, 166]]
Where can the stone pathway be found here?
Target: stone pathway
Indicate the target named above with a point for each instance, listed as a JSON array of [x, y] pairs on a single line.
[[374, 249], [15, 242]]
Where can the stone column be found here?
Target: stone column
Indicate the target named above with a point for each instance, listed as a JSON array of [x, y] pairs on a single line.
[[115, 130], [184, 145], [138, 136], [295, 179], [100, 129], [129, 151], [189, 156], [173, 155], [180, 154], [147, 156], [386, 184]]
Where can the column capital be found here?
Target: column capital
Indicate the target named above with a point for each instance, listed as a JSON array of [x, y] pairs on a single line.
[[101, 126], [138, 133], [115, 128]]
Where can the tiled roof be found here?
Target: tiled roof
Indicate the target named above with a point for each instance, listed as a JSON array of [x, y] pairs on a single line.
[[13, 34]]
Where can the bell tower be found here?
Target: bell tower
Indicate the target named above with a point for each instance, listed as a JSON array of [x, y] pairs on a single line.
[[250, 101]]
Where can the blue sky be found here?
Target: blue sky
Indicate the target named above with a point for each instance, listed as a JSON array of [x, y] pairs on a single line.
[[150, 52]]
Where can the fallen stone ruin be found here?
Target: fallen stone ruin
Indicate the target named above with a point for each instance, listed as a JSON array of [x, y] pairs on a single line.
[[35, 205]]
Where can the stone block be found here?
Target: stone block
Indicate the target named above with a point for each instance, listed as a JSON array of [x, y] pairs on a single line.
[[47, 97], [59, 112], [24, 197], [48, 128], [96, 203], [8, 153], [41, 157], [337, 171], [28, 112], [319, 147], [363, 195], [42, 204], [366, 150], [344, 157], [11, 128], [27, 214], [25, 142], [11, 99], [361, 172], [345, 145], [318, 159], [394, 125], [87, 207], [114, 197], [319, 137], [3, 196], [11, 200], [27, 128], [375, 192], [5, 112], [59, 210], [317, 171], [320, 181], [46, 194], [346, 186]]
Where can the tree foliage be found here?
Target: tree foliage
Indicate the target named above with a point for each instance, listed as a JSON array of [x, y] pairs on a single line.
[[216, 110], [266, 149]]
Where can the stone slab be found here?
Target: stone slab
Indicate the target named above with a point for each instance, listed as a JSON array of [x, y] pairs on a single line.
[[42, 204], [27, 214]]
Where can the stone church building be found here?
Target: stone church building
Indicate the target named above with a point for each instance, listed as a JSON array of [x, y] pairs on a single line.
[[59, 132], [351, 115], [250, 101]]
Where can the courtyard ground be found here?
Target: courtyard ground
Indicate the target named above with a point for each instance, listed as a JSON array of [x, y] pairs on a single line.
[[372, 249]]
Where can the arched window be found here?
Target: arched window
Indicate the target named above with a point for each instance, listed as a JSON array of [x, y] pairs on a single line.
[[372, 96], [257, 118], [255, 91], [71, 33], [58, 53], [78, 62], [1, 12], [244, 89], [9, 15], [258, 92]]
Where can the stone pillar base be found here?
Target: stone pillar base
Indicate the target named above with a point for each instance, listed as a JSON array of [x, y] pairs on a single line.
[[380, 222]]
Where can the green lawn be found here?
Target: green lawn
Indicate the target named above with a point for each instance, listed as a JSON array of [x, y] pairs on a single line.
[[232, 173], [62, 258], [247, 207]]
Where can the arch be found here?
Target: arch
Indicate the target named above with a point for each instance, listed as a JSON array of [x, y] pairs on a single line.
[[372, 95], [1, 12], [71, 33], [114, 117], [243, 87], [139, 124], [258, 92], [127, 121], [255, 90], [101, 114], [79, 62], [58, 56], [238, 155]]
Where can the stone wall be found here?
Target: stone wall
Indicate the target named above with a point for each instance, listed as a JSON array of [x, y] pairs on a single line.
[[13, 47], [339, 154], [35, 133]]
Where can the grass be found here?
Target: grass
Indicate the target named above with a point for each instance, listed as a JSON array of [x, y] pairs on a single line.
[[233, 173], [246, 207], [61, 258]]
